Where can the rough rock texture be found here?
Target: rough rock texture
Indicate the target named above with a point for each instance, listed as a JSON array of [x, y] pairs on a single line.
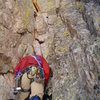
[[77, 69], [70, 30], [16, 26]]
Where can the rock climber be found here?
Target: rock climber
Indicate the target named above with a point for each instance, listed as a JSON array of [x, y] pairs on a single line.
[[31, 76]]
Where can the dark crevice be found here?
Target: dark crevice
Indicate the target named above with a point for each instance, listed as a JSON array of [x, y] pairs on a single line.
[[23, 32], [89, 21], [6, 27], [95, 1], [4, 73], [67, 24]]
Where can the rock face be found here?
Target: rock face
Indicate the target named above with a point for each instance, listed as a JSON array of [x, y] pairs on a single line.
[[70, 32], [16, 26]]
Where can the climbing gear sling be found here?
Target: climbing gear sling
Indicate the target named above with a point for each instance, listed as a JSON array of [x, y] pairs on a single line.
[[29, 71]]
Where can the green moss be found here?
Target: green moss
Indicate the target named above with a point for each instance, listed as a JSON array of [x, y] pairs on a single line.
[[58, 23], [98, 20], [27, 16], [98, 55], [66, 33], [51, 4], [57, 98], [81, 97], [79, 6], [51, 40], [61, 49]]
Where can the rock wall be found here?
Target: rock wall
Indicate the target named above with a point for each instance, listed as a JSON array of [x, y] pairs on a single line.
[[16, 26], [77, 70], [70, 32]]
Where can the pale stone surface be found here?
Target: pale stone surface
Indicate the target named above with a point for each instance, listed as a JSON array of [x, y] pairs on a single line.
[[40, 23], [16, 27], [71, 45], [6, 86]]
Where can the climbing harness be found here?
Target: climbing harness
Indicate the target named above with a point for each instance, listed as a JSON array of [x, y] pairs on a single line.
[[37, 76], [34, 73]]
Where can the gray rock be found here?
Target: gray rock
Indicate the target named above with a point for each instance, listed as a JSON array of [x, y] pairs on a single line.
[[71, 45]]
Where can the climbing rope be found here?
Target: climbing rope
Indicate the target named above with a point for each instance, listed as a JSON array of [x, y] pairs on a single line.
[[36, 10], [36, 6]]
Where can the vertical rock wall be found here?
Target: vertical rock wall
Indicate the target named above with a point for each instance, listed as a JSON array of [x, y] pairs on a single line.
[[70, 30], [16, 26], [76, 39]]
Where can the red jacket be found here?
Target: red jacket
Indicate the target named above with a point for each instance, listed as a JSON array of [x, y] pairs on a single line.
[[29, 60]]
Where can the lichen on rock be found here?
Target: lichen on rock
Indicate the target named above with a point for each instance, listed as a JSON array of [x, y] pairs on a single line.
[[70, 32]]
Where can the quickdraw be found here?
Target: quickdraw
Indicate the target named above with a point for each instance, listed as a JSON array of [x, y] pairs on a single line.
[[35, 31], [36, 6], [36, 10]]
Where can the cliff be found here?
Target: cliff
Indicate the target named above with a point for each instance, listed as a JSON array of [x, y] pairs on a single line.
[[70, 31]]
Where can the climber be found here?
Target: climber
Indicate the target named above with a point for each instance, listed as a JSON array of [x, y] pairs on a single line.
[[31, 75]]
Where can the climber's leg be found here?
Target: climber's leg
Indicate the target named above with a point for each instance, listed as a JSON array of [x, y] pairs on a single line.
[[37, 89], [23, 95], [25, 84]]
